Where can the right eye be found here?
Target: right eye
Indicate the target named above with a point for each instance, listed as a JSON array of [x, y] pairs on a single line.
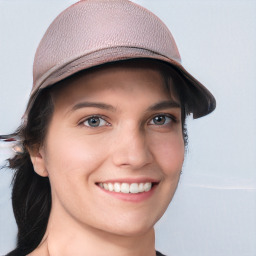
[[95, 121], [162, 119]]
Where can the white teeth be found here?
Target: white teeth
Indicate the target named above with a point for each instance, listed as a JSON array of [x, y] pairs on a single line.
[[126, 188], [134, 188], [110, 187], [117, 187], [147, 186], [141, 187]]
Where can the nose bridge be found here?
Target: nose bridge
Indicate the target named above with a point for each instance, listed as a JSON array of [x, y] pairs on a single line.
[[131, 148]]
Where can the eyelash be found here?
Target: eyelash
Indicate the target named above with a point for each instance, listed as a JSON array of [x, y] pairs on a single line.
[[96, 117], [99, 117], [170, 117]]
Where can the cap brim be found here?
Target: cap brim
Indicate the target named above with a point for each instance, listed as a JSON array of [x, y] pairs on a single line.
[[200, 101]]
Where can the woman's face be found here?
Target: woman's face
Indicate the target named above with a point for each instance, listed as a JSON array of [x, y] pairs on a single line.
[[114, 128]]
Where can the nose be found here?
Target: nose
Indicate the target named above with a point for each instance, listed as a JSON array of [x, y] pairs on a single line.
[[131, 149]]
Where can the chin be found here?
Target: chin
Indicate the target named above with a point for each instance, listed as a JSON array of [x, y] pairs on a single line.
[[133, 227]]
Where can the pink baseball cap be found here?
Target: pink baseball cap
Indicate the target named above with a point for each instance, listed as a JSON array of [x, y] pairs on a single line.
[[95, 32]]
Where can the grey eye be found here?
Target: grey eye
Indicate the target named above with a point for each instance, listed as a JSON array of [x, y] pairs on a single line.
[[161, 120], [95, 121]]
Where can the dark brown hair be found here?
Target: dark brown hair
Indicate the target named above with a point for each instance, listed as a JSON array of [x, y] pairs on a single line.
[[31, 193]]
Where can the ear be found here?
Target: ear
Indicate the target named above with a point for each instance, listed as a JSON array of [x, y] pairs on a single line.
[[38, 161]]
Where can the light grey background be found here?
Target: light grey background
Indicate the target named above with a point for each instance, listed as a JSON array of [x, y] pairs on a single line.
[[214, 210]]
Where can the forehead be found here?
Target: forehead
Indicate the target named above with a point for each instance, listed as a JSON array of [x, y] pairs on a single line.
[[134, 71]]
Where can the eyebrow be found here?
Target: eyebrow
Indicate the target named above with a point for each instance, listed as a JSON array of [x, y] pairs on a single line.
[[164, 104], [156, 107], [93, 105]]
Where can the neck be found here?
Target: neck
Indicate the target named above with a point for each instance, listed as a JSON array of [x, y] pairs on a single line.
[[64, 236]]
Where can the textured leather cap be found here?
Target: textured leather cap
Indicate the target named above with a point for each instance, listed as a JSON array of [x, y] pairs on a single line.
[[94, 32]]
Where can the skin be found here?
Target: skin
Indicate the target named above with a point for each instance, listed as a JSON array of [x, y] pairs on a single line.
[[127, 145]]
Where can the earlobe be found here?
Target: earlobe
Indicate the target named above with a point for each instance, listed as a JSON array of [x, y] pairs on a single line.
[[38, 162]]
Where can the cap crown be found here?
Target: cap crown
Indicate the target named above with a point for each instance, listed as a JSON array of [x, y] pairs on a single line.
[[92, 25]]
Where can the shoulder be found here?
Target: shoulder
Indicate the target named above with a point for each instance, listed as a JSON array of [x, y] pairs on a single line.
[[159, 254]]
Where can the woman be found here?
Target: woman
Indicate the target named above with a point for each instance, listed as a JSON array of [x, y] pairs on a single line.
[[103, 136]]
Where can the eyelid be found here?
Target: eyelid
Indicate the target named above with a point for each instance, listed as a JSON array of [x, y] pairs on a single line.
[[172, 117], [92, 116], [165, 114]]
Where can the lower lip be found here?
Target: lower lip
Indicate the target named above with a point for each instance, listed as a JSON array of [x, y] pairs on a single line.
[[131, 197]]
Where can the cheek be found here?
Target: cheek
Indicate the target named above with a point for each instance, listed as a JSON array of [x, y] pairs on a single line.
[[73, 158], [169, 153]]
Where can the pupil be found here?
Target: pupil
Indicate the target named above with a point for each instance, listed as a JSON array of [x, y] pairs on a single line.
[[159, 120], [94, 121]]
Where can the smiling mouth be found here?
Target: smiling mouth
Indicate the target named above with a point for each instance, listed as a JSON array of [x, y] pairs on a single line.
[[126, 188]]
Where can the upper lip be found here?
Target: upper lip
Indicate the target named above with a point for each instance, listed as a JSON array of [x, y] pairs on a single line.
[[131, 180]]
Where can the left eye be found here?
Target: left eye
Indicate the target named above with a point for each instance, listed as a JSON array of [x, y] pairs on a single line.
[[95, 121], [161, 120]]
